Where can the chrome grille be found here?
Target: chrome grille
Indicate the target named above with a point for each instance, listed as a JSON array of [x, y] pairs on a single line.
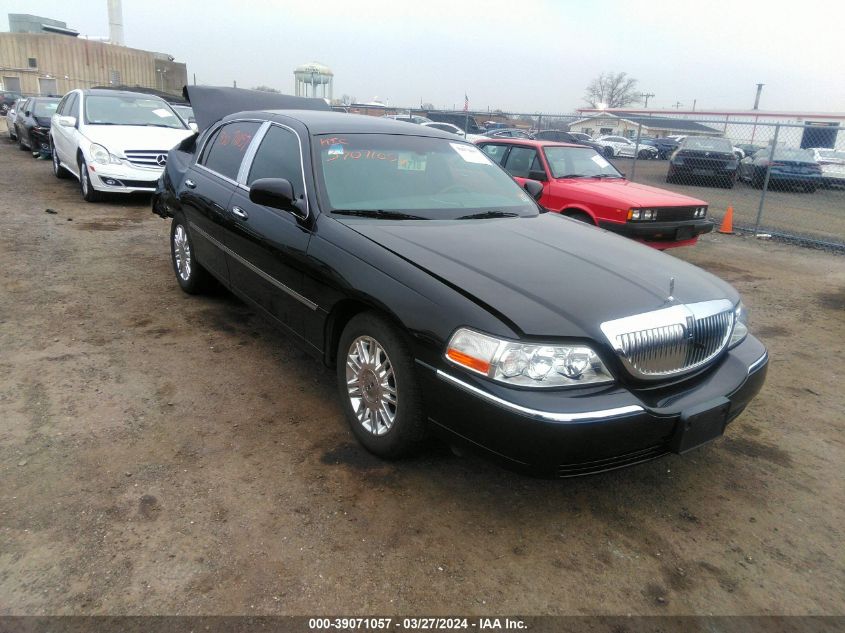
[[146, 157], [672, 340]]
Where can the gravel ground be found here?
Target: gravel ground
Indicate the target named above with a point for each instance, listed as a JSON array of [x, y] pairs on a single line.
[[165, 454], [819, 215]]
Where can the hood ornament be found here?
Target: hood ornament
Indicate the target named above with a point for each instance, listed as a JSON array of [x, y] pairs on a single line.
[[671, 296]]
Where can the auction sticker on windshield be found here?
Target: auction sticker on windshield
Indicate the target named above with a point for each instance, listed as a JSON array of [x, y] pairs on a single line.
[[471, 154], [599, 160]]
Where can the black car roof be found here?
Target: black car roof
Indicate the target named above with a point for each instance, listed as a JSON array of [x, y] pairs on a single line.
[[329, 122]]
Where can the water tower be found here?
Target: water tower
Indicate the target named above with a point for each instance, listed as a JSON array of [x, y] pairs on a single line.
[[313, 80]]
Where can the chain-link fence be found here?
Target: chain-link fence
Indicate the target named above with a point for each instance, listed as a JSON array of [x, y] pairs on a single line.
[[783, 179]]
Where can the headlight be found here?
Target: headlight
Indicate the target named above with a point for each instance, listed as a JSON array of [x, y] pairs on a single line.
[[101, 155], [642, 214], [700, 212], [526, 365], [740, 326]]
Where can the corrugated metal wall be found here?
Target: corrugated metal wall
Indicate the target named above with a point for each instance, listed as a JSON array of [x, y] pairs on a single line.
[[78, 63]]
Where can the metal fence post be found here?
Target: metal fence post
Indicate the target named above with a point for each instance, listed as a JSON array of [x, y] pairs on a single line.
[[636, 151], [766, 180], [539, 122]]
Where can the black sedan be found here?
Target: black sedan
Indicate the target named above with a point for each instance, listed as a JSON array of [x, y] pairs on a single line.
[[443, 296], [704, 159], [665, 147], [32, 125]]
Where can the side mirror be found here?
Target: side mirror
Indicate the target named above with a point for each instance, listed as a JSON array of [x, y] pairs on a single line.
[[537, 174], [534, 189], [276, 193], [67, 121], [28, 113]]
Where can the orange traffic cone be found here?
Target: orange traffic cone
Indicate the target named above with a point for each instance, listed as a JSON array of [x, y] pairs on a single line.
[[728, 222]]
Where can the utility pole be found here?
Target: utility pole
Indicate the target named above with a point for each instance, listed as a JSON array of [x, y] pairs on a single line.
[[677, 105], [646, 96], [757, 98]]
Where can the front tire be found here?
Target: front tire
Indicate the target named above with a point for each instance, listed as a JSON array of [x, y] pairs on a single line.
[[88, 192], [377, 384], [190, 275]]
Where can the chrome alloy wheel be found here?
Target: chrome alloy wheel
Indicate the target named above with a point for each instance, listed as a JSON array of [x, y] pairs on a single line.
[[371, 385], [182, 252], [56, 165]]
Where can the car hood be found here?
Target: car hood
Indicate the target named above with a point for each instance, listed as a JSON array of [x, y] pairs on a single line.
[[547, 275], [623, 193], [119, 138]]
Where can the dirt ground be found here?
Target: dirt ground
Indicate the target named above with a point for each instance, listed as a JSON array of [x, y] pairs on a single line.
[[819, 215], [167, 454]]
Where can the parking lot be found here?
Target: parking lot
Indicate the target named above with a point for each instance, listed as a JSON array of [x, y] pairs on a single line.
[[168, 454], [818, 216]]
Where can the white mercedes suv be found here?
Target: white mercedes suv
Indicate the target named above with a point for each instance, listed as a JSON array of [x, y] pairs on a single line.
[[113, 141]]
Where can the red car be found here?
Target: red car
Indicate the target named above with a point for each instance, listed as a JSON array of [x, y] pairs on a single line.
[[579, 182]]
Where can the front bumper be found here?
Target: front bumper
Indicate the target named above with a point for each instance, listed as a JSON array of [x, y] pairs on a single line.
[[678, 231], [123, 178], [40, 142], [560, 433]]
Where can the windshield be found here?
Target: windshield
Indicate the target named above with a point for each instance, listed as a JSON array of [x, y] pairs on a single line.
[[426, 177], [578, 162], [45, 108], [125, 110], [707, 144], [804, 155]]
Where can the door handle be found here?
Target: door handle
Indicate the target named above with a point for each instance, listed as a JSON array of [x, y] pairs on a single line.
[[190, 184], [239, 213]]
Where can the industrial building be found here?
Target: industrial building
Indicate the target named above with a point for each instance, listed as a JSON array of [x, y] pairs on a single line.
[[41, 56]]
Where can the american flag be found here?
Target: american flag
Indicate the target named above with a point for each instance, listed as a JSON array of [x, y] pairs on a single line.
[[466, 103]]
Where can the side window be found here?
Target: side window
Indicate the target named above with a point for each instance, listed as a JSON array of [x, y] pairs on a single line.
[[71, 107], [225, 151], [520, 160], [278, 157], [496, 152], [62, 104]]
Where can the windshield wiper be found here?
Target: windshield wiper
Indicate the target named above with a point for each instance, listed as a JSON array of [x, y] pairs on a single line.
[[605, 176], [572, 176], [488, 214], [378, 213]]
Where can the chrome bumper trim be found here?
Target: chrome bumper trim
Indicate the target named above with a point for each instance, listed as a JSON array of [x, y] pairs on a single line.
[[758, 363], [549, 416]]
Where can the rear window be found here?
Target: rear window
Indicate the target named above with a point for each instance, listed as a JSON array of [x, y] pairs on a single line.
[[707, 144], [225, 151]]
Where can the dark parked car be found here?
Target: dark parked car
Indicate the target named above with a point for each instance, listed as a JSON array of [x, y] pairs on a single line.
[[446, 300], [749, 150], [32, 125], [701, 159], [665, 147], [789, 168], [562, 136], [7, 100]]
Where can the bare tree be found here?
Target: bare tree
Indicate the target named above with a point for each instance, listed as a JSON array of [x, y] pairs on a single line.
[[266, 89], [613, 90], [348, 100]]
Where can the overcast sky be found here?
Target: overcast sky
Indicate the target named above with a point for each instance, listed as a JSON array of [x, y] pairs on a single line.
[[524, 56]]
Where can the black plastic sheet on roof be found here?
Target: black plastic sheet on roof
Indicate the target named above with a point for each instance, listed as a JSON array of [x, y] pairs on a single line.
[[212, 103]]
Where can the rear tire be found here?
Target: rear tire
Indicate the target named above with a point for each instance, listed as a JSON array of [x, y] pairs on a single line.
[[58, 171], [190, 275], [377, 383], [608, 152]]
